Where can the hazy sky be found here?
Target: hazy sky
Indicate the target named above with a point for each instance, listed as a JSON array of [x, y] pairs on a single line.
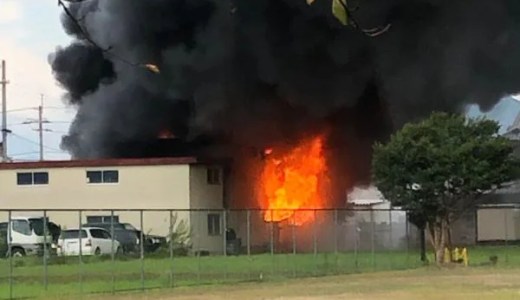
[[29, 31]]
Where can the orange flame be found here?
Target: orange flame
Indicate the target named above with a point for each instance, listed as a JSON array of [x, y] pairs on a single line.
[[165, 134], [291, 181]]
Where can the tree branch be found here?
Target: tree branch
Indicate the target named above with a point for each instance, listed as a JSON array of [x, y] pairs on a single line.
[[87, 37], [372, 32], [85, 34]]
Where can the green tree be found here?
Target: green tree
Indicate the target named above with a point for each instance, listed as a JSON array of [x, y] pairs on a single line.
[[438, 168]]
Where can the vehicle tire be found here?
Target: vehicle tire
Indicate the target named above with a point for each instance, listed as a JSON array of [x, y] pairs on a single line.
[[97, 252], [17, 252]]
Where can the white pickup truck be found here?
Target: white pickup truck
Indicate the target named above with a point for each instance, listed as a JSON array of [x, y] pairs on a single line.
[[26, 235]]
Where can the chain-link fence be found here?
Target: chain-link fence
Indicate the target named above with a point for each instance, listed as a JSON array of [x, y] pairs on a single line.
[[89, 251]]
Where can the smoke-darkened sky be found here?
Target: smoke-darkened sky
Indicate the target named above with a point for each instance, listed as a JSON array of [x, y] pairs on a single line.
[[258, 72]]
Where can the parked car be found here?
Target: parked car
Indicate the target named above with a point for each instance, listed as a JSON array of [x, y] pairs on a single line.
[[94, 241], [128, 239], [151, 242]]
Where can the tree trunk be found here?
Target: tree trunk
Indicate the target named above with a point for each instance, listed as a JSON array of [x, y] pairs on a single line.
[[423, 244], [437, 231]]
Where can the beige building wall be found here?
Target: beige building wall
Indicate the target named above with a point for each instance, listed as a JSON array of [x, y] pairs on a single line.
[[167, 187], [204, 197]]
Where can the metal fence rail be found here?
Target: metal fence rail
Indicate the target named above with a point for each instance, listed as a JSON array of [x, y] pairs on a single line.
[[143, 249]]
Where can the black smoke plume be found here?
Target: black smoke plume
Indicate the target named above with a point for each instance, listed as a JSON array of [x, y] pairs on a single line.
[[254, 73]]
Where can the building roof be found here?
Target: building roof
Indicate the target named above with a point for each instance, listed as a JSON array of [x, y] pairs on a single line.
[[99, 163]]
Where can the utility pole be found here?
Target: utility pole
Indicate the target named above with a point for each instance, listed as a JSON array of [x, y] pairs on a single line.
[[40, 126], [4, 83]]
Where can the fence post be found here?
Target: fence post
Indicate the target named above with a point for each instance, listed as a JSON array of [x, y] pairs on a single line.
[[170, 246], [199, 230], [293, 233], [407, 240], [45, 250], [315, 242], [357, 233], [141, 244], [272, 244], [315, 235], [336, 256], [80, 253], [391, 237], [373, 239], [248, 241], [272, 233], [10, 252], [112, 251], [506, 234], [224, 235]]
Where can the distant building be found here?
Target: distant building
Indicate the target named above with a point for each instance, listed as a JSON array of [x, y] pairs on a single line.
[[498, 215], [122, 185]]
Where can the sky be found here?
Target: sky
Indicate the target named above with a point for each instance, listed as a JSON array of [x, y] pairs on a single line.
[[29, 31]]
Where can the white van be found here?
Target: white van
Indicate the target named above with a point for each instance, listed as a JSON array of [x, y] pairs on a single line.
[[94, 241], [26, 235]]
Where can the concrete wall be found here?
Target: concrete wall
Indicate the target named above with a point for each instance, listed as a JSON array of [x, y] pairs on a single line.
[[498, 224]]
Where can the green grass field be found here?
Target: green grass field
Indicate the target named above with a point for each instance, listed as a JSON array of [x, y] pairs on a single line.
[[68, 277]]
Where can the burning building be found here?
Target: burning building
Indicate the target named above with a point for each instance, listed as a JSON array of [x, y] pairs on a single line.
[[230, 79]]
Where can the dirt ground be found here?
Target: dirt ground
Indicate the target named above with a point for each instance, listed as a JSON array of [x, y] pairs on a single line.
[[428, 284]]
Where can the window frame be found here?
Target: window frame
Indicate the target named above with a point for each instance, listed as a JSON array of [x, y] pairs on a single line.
[[32, 175], [214, 220], [213, 176], [102, 177], [102, 219]]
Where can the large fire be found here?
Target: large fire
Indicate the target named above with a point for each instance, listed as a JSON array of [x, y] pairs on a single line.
[[292, 181]]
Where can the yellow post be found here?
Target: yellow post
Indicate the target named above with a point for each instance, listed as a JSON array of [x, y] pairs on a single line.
[[446, 255], [456, 254], [465, 256]]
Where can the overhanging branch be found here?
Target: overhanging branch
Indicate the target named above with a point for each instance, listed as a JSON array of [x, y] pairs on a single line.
[[89, 39], [371, 32]]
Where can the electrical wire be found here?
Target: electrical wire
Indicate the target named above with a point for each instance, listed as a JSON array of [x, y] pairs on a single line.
[[33, 142]]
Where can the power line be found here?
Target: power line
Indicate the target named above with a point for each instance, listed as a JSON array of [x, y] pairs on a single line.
[[34, 142], [23, 153]]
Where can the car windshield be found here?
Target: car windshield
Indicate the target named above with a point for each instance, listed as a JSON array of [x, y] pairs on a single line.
[[37, 226], [73, 234]]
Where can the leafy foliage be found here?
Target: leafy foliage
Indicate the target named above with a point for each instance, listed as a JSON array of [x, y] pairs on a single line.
[[437, 169], [180, 237], [427, 167]]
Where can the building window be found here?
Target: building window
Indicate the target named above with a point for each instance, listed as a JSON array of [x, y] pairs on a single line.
[[32, 178], [214, 224], [102, 219], [109, 176], [213, 176]]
